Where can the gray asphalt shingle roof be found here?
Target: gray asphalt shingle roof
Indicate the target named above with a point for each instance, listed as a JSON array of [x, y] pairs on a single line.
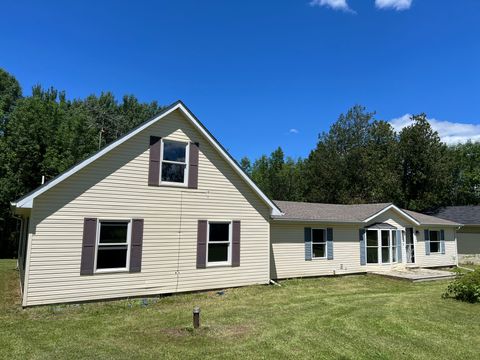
[[356, 213], [467, 215]]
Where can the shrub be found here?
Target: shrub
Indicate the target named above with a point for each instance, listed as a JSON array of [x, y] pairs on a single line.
[[465, 287]]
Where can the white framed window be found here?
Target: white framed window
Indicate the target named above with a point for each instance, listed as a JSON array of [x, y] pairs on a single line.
[[372, 246], [319, 243], [385, 246], [174, 162], [434, 241], [219, 243], [381, 245], [112, 251]]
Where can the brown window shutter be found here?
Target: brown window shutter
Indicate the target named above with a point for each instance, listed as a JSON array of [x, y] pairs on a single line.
[[236, 243], [88, 246], [202, 244], [136, 247], [193, 166], [154, 162]]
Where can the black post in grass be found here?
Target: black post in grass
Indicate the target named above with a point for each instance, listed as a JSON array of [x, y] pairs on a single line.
[[196, 317]]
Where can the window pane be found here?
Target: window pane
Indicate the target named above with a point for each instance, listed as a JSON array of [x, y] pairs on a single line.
[[394, 238], [434, 247], [112, 257], [372, 255], [385, 237], [173, 172], [219, 232], [318, 250], [394, 254], [217, 252], [174, 151], [385, 254], [113, 232], [372, 238], [318, 235], [434, 236], [409, 237]]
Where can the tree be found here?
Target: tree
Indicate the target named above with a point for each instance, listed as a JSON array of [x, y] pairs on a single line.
[[382, 168], [10, 92], [279, 178], [426, 167], [261, 174], [354, 162], [246, 165], [44, 134], [466, 159]]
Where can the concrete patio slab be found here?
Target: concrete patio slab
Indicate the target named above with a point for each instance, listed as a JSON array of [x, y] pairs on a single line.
[[416, 275]]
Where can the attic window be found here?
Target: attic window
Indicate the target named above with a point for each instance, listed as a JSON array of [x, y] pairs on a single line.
[[174, 162]]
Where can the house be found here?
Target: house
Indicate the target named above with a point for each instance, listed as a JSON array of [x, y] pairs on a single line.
[[166, 209], [468, 237], [343, 239]]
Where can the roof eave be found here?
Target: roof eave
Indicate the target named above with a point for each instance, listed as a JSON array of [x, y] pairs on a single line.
[[318, 221], [397, 209]]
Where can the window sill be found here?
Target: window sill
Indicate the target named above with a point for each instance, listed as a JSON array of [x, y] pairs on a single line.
[[169, 183], [319, 258], [172, 185], [111, 271], [219, 265]]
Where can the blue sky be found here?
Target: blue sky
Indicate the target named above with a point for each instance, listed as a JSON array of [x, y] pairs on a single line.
[[254, 70]]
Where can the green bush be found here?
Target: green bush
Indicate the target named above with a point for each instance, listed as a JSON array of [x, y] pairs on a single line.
[[465, 287]]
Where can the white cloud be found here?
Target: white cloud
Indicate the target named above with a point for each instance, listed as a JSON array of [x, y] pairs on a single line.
[[393, 4], [293, 131], [450, 132], [334, 4]]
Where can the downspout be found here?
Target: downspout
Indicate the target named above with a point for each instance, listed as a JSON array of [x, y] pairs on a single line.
[[456, 245]]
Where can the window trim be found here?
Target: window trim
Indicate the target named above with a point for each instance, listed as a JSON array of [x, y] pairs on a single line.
[[97, 244], [438, 241], [324, 242], [187, 163], [229, 252]]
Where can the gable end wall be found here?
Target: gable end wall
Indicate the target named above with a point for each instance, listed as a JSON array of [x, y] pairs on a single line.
[[115, 187]]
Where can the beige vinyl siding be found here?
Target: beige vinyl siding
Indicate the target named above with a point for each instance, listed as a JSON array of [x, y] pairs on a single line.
[[115, 187], [393, 218], [288, 251], [433, 260], [468, 240]]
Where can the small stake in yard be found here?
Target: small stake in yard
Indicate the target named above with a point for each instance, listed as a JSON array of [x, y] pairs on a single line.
[[196, 317]]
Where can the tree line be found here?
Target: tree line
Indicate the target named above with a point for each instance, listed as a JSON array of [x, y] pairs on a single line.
[[360, 159], [364, 160]]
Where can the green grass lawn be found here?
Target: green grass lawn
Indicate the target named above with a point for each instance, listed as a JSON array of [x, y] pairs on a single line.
[[353, 317]]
